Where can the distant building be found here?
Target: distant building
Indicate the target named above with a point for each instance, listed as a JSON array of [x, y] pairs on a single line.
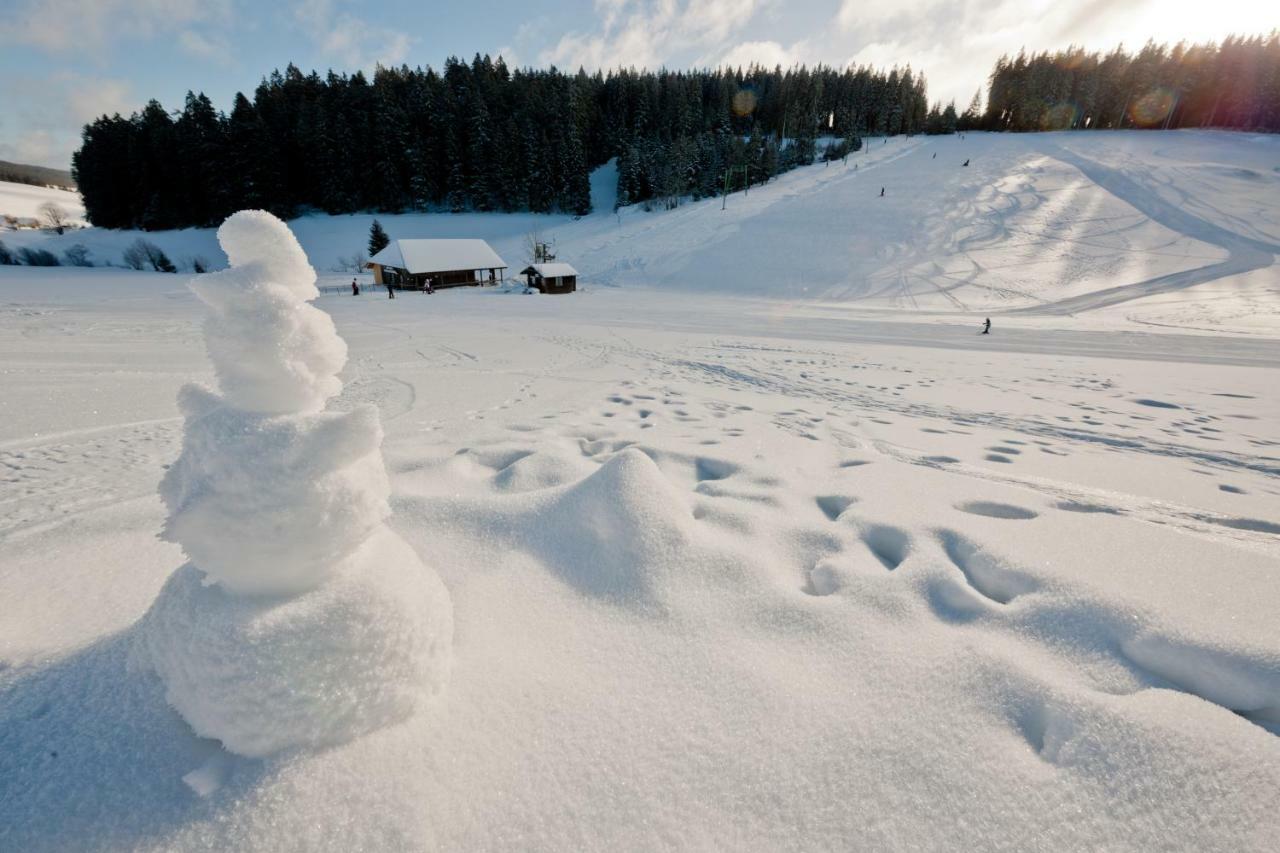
[[551, 277], [412, 264]]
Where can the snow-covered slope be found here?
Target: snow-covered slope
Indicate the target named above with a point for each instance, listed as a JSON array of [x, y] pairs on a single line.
[[23, 201], [1160, 228]]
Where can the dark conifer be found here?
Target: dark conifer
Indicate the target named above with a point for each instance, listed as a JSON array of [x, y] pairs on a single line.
[[378, 239]]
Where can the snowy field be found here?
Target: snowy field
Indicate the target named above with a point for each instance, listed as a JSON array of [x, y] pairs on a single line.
[[753, 543], [23, 201]]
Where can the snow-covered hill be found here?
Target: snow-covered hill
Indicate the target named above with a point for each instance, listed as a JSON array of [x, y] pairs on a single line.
[[1056, 224], [24, 201]]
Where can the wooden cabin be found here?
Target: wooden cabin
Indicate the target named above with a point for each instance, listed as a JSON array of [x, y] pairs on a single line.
[[413, 264], [552, 277]]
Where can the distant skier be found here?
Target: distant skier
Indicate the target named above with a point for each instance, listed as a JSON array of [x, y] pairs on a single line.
[[391, 294], [882, 192], [986, 326], [355, 288], [935, 155], [966, 162]]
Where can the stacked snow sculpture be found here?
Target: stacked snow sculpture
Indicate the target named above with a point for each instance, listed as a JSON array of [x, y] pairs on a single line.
[[301, 619]]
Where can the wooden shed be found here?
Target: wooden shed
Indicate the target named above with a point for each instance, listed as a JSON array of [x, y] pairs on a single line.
[[413, 264], [551, 277]]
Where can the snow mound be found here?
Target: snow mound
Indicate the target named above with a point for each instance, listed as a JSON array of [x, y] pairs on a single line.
[[262, 674], [301, 620], [610, 533], [272, 352]]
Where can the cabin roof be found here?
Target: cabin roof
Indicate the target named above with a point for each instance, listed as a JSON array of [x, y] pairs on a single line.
[[427, 256], [550, 270]]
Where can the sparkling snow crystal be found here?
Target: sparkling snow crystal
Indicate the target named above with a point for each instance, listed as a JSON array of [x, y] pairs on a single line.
[[301, 620]]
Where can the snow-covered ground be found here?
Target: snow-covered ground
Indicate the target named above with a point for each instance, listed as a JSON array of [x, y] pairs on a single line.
[[728, 571], [24, 201]]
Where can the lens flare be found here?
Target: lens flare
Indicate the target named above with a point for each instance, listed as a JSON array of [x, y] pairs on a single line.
[[1061, 116], [744, 102], [1152, 108]]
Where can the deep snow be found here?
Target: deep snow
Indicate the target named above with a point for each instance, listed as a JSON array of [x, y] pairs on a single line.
[[727, 572]]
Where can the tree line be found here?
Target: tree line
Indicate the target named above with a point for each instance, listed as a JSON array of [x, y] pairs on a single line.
[[36, 176], [480, 136], [1235, 84], [476, 136]]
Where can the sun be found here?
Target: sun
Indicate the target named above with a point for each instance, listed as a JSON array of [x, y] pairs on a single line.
[[1182, 20]]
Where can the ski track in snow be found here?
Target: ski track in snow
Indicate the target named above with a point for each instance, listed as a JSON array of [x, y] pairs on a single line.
[[1245, 253]]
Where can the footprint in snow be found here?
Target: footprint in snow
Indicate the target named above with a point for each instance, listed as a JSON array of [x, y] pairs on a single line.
[[994, 509], [833, 506]]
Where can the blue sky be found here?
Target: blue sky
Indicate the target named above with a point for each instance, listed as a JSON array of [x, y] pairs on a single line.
[[63, 62]]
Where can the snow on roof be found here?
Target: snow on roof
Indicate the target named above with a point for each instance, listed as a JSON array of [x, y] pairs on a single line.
[[422, 256], [556, 270]]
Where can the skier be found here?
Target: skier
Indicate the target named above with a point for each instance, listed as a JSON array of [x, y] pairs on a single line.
[[966, 162], [935, 155], [882, 192], [391, 294], [986, 327], [355, 288]]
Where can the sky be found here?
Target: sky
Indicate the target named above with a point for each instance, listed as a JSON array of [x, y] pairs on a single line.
[[65, 62]]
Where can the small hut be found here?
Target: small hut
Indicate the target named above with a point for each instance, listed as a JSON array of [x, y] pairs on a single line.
[[415, 264], [554, 277]]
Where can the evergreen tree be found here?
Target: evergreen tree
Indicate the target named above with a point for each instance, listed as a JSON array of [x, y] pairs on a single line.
[[378, 239]]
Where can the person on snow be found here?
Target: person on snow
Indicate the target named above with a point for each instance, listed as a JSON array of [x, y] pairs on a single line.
[[355, 288], [391, 294], [986, 327], [966, 162], [882, 192], [935, 155]]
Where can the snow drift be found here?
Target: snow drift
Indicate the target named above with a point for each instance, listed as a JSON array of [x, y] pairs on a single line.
[[301, 619]]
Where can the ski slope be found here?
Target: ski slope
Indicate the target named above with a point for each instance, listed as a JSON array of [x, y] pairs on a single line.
[[1151, 229], [731, 567]]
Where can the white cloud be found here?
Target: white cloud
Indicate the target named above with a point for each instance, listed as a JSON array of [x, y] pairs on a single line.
[[957, 42], [210, 47], [44, 115], [766, 54], [347, 40], [36, 147], [87, 98], [94, 26], [648, 33]]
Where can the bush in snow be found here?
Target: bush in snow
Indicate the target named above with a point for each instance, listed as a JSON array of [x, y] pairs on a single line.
[[38, 257], [78, 255], [301, 620], [7, 258], [143, 253], [354, 264], [53, 216], [199, 264]]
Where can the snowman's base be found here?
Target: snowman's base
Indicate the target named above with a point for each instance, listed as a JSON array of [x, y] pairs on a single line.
[[264, 674]]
